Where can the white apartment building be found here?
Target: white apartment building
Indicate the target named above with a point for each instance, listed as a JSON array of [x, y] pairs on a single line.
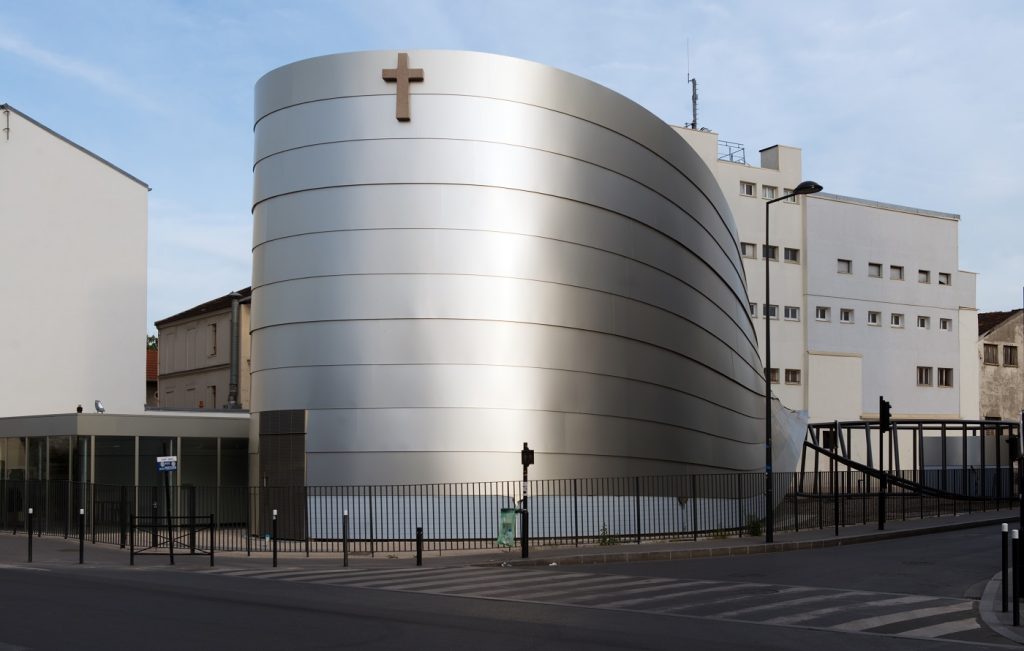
[[73, 263], [867, 299]]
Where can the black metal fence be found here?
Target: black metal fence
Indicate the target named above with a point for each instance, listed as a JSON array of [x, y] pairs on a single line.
[[462, 516]]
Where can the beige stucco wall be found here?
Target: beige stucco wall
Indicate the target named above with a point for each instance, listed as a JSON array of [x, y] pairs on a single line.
[[834, 386], [73, 259], [970, 386], [1002, 387], [195, 355]]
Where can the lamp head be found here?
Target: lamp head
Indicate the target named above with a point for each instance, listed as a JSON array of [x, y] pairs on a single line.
[[807, 187]]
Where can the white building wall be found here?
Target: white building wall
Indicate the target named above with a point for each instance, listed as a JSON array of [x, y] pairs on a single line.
[[863, 233], [73, 263]]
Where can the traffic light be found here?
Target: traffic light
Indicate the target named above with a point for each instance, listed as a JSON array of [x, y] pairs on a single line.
[[527, 456], [884, 415]]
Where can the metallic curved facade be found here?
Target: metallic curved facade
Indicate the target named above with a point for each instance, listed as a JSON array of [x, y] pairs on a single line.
[[532, 257]]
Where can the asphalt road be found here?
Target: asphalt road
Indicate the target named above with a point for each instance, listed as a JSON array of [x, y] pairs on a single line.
[[56, 604]]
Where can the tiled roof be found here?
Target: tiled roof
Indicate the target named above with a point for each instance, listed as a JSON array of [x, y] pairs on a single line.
[[988, 321], [152, 365], [217, 304]]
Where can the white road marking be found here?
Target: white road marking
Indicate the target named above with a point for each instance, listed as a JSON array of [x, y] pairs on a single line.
[[869, 623]]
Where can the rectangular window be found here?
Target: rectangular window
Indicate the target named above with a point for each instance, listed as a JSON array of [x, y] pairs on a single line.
[[896, 320], [771, 311], [746, 189], [844, 266], [991, 354], [792, 376], [945, 377], [773, 375], [1009, 355], [875, 318], [945, 324], [211, 339], [924, 376], [770, 252], [749, 250], [790, 199], [791, 313], [769, 191], [945, 278], [822, 313], [924, 276], [792, 255], [895, 272], [924, 322], [875, 269], [845, 315], [753, 310]]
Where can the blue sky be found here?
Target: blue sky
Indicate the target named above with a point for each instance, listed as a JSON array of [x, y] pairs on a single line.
[[917, 103]]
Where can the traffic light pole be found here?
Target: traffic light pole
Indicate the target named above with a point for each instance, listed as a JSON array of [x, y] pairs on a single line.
[[526, 456]]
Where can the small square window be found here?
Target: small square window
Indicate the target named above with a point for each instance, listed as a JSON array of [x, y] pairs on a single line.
[[773, 375], [924, 322], [822, 313], [791, 255], [749, 250], [769, 191], [1009, 355], [945, 324], [792, 376], [791, 313], [747, 189], [790, 198], [875, 318], [924, 276], [895, 272], [753, 310], [944, 278], [844, 266], [924, 376], [770, 252], [896, 320], [991, 354], [771, 311], [845, 315], [945, 377], [875, 269]]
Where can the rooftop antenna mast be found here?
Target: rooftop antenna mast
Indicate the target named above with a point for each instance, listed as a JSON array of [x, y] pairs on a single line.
[[693, 84]]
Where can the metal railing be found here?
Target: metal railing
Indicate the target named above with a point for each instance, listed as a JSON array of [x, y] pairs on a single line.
[[460, 516]]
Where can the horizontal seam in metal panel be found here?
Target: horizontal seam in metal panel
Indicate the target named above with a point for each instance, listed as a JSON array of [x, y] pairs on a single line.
[[550, 411], [546, 282], [533, 323], [652, 117], [756, 413], [554, 153], [740, 276], [540, 237]]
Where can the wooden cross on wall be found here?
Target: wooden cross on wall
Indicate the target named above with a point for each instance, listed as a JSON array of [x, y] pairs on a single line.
[[403, 74]]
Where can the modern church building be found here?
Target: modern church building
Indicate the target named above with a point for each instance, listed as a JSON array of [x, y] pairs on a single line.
[[457, 252]]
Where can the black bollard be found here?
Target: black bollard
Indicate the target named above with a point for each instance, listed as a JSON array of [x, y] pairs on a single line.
[[1015, 551], [81, 536], [29, 524], [344, 538], [1004, 536], [419, 546], [273, 534], [881, 499]]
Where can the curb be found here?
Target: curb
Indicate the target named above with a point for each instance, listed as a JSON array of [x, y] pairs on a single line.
[[743, 550], [990, 613]]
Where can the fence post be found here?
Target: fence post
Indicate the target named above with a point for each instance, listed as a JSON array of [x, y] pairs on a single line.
[[693, 504], [636, 485], [29, 525], [192, 520], [213, 537], [344, 537], [576, 512], [122, 516], [419, 546], [1003, 544], [131, 540], [274, 536], [881, 503], [1015, 550]]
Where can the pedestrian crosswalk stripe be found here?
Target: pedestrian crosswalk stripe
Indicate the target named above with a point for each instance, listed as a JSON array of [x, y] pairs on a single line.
[[619, 593], [945, 628], [822, 612], [869, 623], [560, 590], [779, 603], [675, 595]]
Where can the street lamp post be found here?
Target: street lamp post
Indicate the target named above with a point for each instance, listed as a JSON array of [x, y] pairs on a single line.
[[805, 187]]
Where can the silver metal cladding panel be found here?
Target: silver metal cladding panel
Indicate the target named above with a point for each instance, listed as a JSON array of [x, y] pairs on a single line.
[[531, 257]]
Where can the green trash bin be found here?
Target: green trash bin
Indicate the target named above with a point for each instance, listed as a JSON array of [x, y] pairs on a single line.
[[507, 528]]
